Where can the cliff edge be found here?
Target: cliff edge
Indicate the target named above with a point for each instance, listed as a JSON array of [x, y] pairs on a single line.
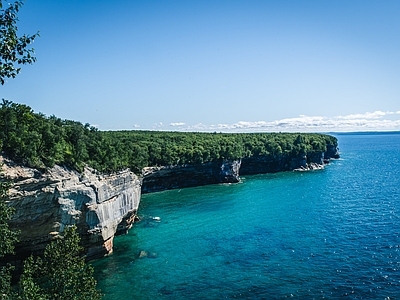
[[155, 179], [101, 206]]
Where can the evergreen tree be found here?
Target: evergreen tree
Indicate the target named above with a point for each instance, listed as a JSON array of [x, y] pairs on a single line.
[[61, 274], [8, 239]]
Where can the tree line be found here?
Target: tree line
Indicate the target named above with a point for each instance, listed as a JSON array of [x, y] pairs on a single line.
[[40, 141]]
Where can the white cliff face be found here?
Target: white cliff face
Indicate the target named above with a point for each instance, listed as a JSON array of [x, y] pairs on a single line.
[[45, 203]]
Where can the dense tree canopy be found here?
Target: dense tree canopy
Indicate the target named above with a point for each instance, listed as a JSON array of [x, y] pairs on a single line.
[[40, 141], [14, 50]]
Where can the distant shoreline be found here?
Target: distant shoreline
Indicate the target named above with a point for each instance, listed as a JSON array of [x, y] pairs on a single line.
[[365, 132]]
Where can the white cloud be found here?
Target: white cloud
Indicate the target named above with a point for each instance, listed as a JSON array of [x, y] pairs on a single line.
[[374, 115], [355, 122], [136, 126], [177, 124], [158, 125]]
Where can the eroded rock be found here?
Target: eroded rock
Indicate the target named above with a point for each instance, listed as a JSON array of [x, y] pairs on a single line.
[[45, 203], [181, 176]]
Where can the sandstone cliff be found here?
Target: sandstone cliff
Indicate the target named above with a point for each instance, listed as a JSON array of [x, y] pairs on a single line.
[[332, 151], [156, 179], [171, 177], [102, 206], [278, 163], [99, 205]]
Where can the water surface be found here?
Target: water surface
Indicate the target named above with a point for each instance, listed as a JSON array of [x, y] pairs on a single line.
[[312, 235]]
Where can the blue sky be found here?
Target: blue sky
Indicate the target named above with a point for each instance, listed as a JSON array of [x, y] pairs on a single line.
[[214, 65]]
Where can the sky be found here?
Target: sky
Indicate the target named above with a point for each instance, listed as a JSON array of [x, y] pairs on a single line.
[[230, 66]]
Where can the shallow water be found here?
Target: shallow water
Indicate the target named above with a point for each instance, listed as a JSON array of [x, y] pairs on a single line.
[[328, 234]]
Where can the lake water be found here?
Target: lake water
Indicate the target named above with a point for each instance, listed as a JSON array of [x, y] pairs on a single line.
[[325, 234]]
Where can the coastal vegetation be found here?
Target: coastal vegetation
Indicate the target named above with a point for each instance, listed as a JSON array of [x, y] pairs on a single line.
[[8, 238], [39, 141], [61, 273]]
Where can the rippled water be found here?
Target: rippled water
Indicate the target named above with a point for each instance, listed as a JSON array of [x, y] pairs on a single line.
[[313, 235]]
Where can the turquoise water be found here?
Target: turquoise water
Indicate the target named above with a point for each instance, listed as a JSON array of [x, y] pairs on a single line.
[[326, 234]]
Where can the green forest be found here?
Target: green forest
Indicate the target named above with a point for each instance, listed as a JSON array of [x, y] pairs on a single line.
[[40, 141]]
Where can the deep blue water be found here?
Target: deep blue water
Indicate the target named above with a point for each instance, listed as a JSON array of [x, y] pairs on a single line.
[[327, 234]]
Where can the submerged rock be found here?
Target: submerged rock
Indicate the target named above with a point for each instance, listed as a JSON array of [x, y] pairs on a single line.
[[146, 254]]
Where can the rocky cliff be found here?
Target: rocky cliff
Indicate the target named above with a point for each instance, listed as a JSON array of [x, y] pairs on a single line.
[[101, 206], [171, 177], [332, 151], [227, 171], [278, 163]]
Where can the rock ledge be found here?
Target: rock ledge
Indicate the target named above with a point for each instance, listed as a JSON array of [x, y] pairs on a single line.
[[101, 206]]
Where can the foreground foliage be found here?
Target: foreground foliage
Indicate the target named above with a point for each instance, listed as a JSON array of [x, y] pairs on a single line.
[[8, 239], [14, 49], [61, 274], [40, 141]]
